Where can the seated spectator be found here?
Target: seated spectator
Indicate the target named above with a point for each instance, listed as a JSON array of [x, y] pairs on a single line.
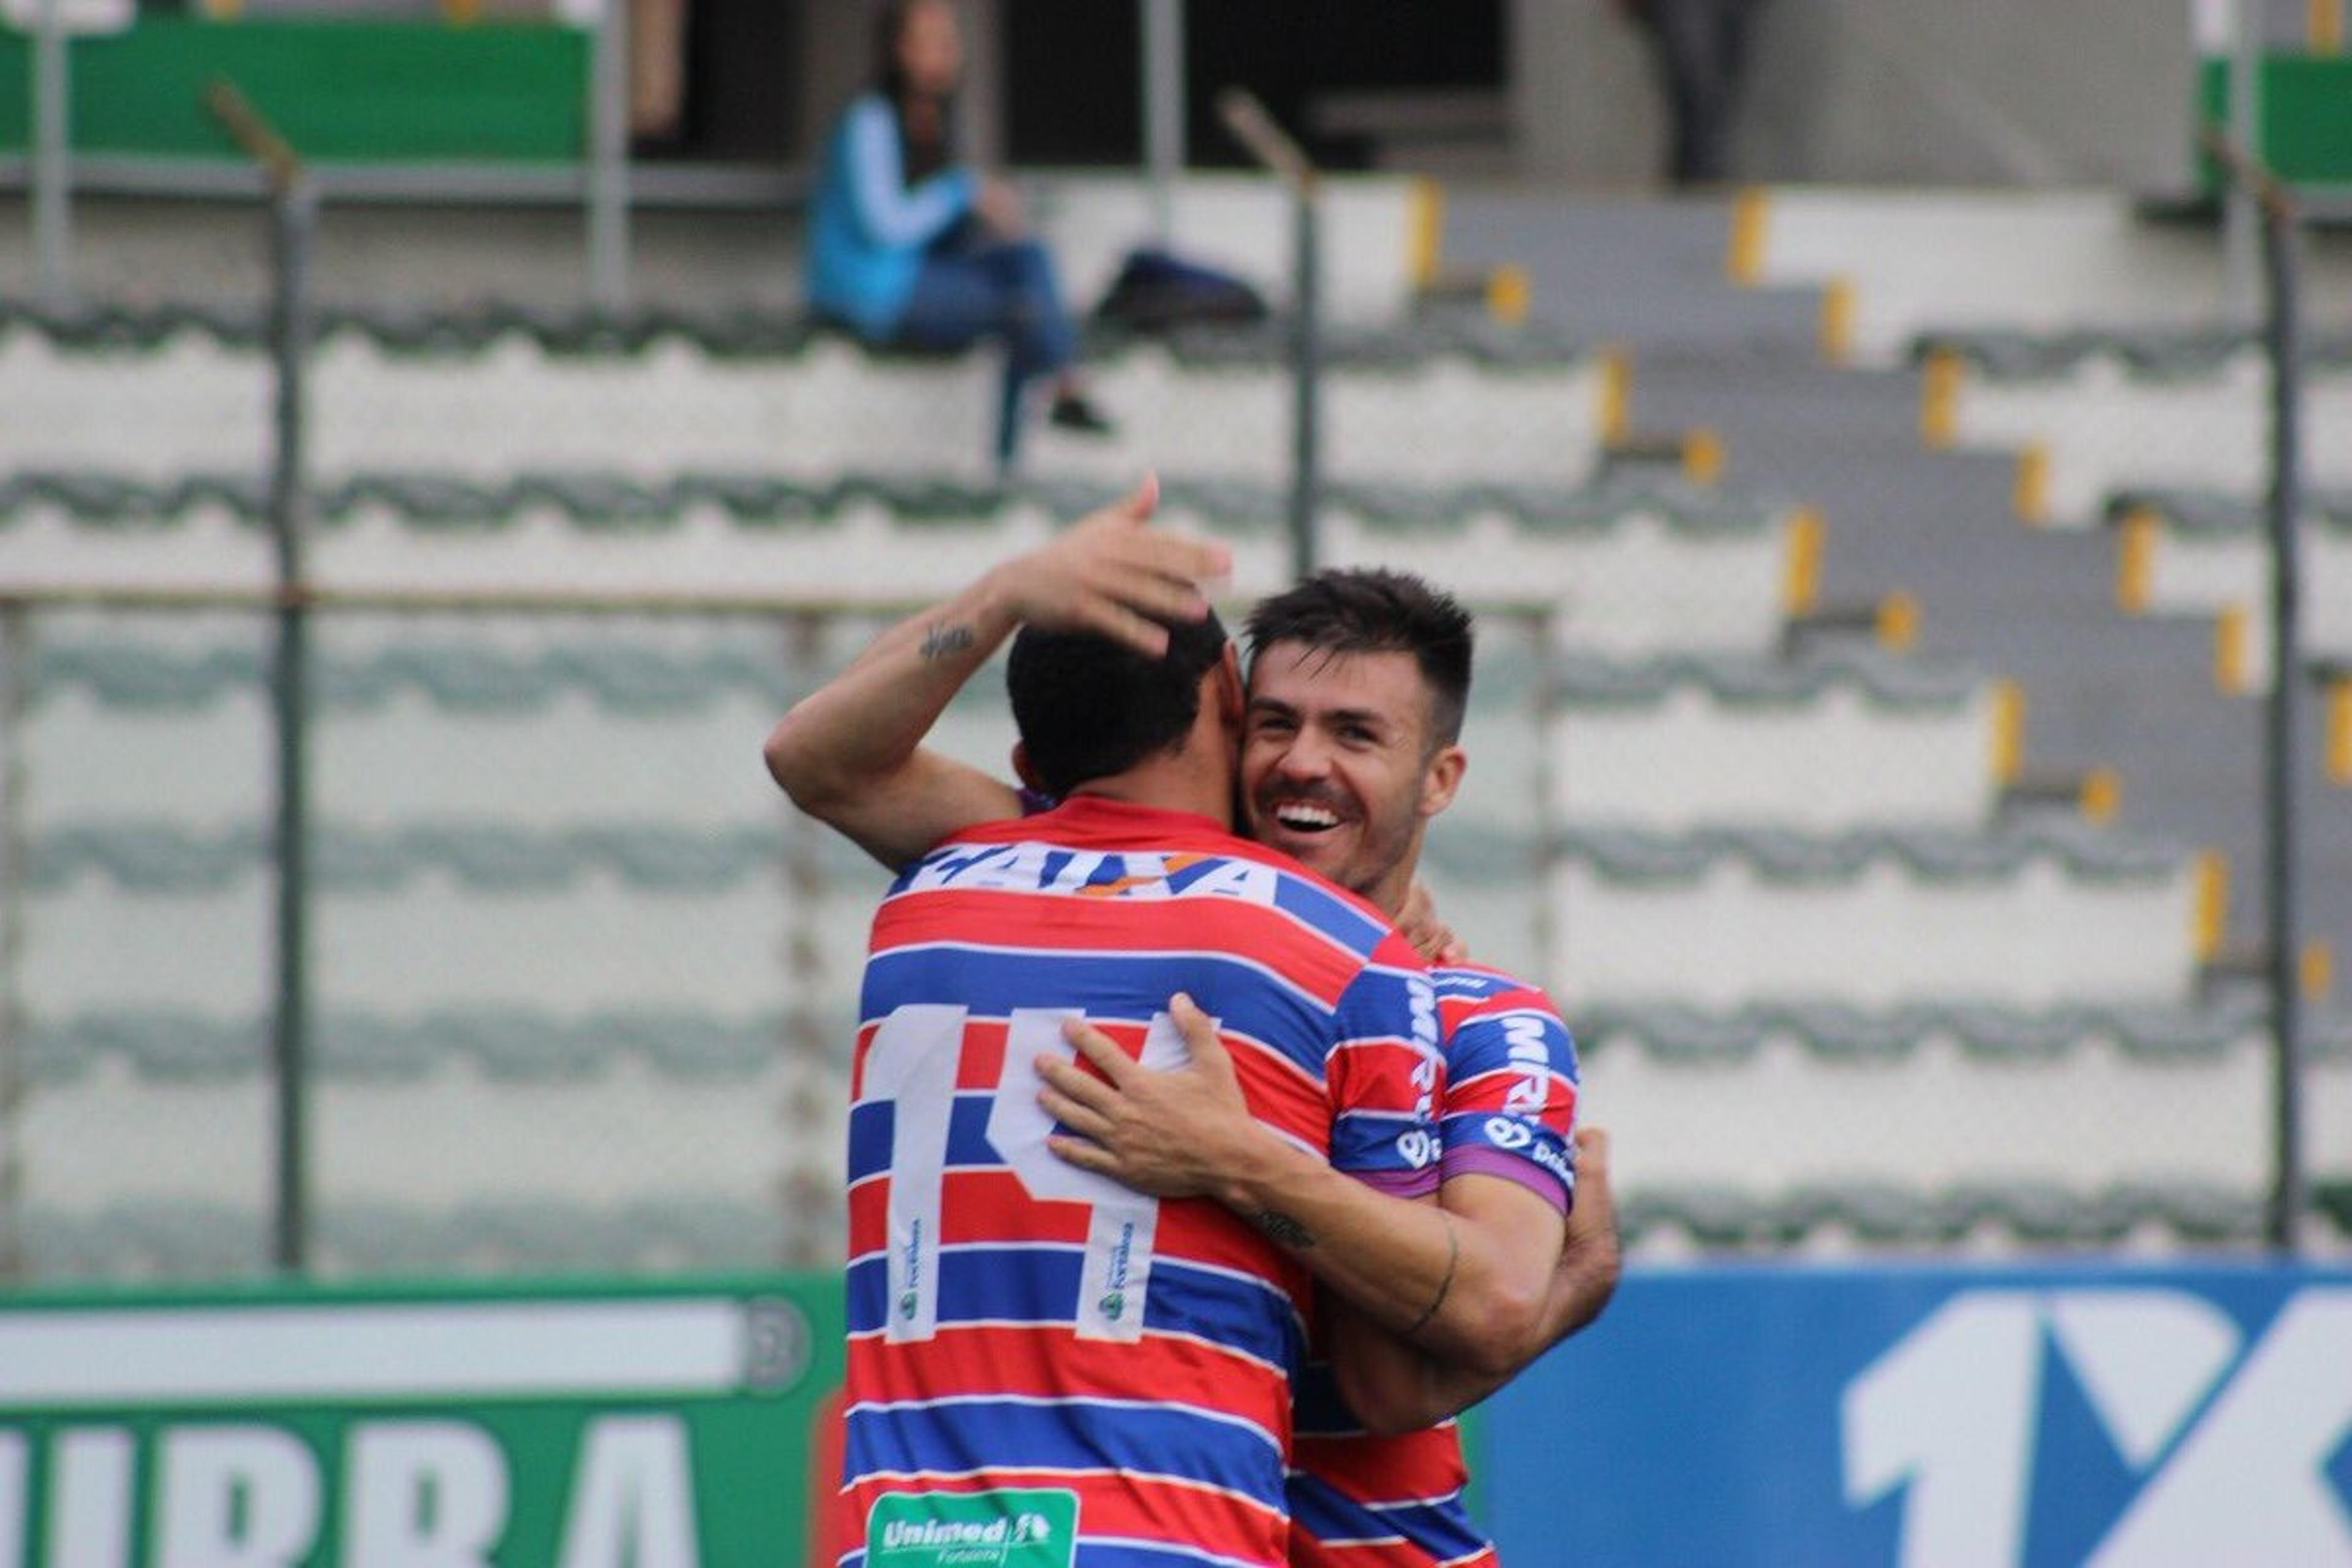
[[909, 248]]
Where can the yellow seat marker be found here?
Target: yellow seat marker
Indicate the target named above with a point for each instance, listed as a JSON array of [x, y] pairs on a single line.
[[2233, 650], [1703, 456], [1898, 622], [1424, 231], [2317, 969], [2135, 560], [1801, 586], [1751, 219], [1837, 319], [2008, 731], [2103, 796], [2211, 904], [2339, 730], [2033, 497], [1508, 293], [1939, 398], [1616, 395]]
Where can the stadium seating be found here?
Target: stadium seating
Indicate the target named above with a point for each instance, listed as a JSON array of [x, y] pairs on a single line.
[[586, 991], [1922, 261], [2210, 553], [1623, 566], [1671, 745], [1241, 225], [1727, 919], [482, 397], [1973, 1128], [2101, 413]]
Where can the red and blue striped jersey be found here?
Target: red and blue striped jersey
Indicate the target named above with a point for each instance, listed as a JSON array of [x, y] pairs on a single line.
[[1041, 1358], [1509, 1110]]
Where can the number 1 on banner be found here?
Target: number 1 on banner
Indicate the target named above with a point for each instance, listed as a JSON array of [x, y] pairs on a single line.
[[1949, 1413], [913, 1063]]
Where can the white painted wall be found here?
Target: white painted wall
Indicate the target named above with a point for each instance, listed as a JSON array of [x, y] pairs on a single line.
[[1999, 91]]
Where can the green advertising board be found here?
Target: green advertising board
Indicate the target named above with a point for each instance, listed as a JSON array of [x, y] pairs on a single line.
[[2306, 116], [574, 1426], [339, 89]]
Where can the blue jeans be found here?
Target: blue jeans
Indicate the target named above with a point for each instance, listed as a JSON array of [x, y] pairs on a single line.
[[994, 288]]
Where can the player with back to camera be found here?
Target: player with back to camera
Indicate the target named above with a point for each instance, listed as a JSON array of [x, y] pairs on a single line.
[[1038, 1355], [1349, 748]]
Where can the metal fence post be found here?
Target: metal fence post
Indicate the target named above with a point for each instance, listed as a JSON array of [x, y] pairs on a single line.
[[52, 88], [15, 696], [1306, 374], [1163, 109], [608, 158], [2241, 239], [1266, 142], [294, 212], [2282, 341], [2289, 1185]]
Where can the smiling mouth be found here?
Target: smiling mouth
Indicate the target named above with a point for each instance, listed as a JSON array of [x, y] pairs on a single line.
[[1299, 817]]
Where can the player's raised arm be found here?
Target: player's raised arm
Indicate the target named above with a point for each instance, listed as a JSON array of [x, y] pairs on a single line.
[[851, 753]]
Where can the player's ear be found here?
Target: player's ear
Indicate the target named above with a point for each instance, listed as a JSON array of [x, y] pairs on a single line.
[[1022, 769], [1440, 779], [1229, 686]]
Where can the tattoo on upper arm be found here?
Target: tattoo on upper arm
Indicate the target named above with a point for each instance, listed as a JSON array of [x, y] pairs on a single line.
[[941, 638], [1282, 1228]]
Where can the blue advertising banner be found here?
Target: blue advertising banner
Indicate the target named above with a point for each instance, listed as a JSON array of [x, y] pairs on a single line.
[[2098, 1414]]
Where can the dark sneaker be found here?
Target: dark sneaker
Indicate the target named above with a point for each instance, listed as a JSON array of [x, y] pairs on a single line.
[[1074, 412]]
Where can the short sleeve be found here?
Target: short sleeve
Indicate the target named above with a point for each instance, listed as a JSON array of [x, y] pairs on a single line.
[[1511, 1089], [1384, 1074]]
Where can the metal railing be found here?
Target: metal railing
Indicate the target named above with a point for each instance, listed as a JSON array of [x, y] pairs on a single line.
[[606, 184], [1283, 157], [2280, 229]]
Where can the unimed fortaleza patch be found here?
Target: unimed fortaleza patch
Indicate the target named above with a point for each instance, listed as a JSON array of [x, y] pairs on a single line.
[[1003, 1528]]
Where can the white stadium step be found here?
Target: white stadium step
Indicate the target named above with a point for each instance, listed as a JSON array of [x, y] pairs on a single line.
[[1829, 1125], [2104, 414], [1625, 570], [2211, 554], [1919, 261], [1243, 225], [1872, 920], [490, 397], [1824, 745], [148, 916]]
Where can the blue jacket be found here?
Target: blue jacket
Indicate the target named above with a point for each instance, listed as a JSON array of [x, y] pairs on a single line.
[[869, 228]]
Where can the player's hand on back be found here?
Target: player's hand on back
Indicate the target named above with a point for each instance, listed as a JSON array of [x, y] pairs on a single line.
[[1111, 571], [1418, 924], [1174, 1134], [1590, 1259]]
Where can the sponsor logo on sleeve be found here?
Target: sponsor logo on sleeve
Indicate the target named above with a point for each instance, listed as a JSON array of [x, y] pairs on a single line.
[[1508, 1132]]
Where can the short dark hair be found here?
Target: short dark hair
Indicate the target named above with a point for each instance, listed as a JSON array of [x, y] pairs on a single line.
[[1088, 707], [1369, 610]]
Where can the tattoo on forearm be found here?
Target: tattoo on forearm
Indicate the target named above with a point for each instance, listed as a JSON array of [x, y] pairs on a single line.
[[941, 638], [1284, 1229]]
